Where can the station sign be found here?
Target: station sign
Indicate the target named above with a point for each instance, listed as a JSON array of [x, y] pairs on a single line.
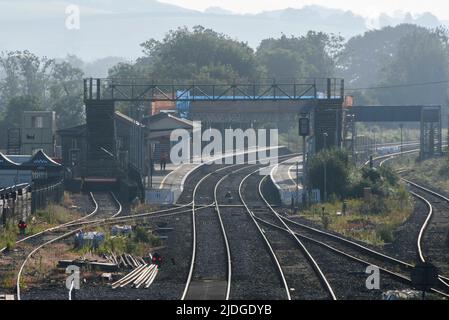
[[159, 196], [424, 276]]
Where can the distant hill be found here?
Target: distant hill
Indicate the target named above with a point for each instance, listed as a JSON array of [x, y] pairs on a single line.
[[116, 28]]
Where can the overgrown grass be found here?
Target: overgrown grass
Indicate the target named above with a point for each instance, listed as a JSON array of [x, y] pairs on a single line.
[[55, 214], [371, 221], [431, 172], [144, 208], [8, 236], [8, 279], [46, 218], [138, 243]]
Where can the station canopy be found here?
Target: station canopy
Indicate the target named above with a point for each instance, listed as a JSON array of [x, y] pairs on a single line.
[[7, 164], [41, 160]]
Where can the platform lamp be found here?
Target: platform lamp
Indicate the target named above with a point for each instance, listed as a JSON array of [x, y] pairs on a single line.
[[325, 169]]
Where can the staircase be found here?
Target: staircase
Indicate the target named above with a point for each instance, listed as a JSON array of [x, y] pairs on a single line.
[[159, 149], [101, 153], [14, 141]]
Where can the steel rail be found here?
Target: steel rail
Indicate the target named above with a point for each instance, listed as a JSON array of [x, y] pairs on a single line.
[[217, 208], [262, 233], [352, 257], [443, 279], [193, 258], [61, 225], [309, 257], [65, 235]]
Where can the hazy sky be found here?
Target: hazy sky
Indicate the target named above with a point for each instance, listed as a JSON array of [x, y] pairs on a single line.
[[368, 8]]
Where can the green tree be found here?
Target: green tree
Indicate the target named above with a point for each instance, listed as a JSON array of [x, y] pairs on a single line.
[[66, 94], [15, 107], [309, 56], [186, 54], [31, 82], [421, 56], [12, 116], [338, 171], [364, 57], [25, 74]]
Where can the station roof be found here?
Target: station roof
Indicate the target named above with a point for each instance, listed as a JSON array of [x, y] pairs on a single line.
[[163, 123], [19, 158], [6, 163], [40, 159], [80, 130], [24, 162], [124, 117]]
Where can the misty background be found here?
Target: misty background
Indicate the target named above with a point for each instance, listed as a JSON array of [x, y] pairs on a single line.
[[388, 60], [116, 28]]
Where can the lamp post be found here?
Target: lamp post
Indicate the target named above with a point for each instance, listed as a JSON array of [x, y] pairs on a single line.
[[325, 169], [297, 184], [304, 131]]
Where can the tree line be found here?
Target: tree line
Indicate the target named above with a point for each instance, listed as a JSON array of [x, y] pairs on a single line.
[[386, 66]]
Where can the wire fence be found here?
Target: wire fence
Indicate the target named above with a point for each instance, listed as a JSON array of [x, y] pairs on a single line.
[[20, 201]]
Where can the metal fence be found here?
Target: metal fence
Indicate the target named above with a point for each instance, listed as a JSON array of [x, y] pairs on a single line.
[[20, 201]]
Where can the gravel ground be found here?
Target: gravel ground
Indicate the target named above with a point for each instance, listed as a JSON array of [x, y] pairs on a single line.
[[254, 274], [211, 257], [348, 278], [435, 243], [168, 284], [301, 278], [405, 237], [11, 261]]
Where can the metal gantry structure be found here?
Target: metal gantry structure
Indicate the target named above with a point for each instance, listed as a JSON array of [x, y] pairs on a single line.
[[141, 90], [102, 93], [428, 118]]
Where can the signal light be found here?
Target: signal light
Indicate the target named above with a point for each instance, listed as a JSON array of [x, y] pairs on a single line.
[[157, 259]]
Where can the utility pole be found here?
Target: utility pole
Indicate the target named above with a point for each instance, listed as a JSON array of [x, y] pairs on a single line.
[[297, 184], [401, 126], [304, 170], [304, 131], [325, 169]]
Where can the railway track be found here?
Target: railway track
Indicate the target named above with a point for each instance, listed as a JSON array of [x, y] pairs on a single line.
[[393, 267], [110, 206], [210, 273], [432, 239], [301, 276], [99, 216]]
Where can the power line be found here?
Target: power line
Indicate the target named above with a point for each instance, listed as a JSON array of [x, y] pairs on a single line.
[[418, 84]]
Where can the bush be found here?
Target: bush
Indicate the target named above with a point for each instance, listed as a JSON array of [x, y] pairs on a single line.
[[386, 233], [141, 234], [8, 236], [373, 206], [325, 221], [55, 214], [338, 170]]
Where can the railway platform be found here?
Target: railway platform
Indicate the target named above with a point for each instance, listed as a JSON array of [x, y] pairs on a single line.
[[284, 178], [174, 177]]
